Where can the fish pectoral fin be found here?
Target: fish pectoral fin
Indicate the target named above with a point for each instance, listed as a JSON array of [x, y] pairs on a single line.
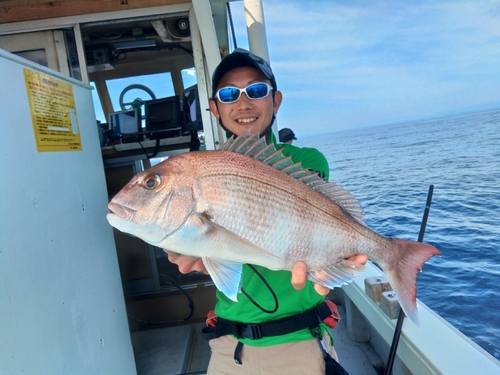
[[229, 241], [226, 276], [337, 274]]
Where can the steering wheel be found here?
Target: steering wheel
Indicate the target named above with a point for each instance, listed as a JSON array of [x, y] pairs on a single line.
[[137, 102]]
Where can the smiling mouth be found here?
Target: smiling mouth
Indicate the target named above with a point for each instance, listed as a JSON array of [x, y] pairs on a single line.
[[246, 120]]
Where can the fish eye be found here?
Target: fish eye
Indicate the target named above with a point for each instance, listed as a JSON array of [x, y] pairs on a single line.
[[151, 182]]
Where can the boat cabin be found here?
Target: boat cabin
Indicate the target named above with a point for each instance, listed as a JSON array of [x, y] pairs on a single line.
[[139, 74]]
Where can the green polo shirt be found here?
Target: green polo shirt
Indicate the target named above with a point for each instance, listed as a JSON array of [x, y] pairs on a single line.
[[272, 292]]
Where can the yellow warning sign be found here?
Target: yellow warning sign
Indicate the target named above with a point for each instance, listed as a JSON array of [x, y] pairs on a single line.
[[53, 113]]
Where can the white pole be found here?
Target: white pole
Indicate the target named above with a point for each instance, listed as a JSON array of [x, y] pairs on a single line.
[[256, 28], [257, 38]]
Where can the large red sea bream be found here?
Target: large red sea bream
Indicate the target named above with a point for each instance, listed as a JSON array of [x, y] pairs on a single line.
[[246, 203]]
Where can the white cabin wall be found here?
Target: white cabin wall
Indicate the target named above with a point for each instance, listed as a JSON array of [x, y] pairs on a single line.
[[61, 302]]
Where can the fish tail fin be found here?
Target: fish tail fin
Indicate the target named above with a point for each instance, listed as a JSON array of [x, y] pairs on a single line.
[[410, 257]]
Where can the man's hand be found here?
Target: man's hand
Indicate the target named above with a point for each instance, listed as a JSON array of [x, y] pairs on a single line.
[[186, 263], [299, 274]]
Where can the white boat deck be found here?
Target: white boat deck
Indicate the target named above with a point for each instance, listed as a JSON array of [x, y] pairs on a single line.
[[355, 357]]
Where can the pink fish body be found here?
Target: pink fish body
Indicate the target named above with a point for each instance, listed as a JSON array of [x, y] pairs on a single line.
[[246, 203]]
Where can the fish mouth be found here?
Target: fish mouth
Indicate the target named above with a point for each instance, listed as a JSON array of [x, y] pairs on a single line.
[[122, 212]]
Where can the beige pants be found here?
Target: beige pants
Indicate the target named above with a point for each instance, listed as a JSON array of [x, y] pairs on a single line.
[[297, 358]]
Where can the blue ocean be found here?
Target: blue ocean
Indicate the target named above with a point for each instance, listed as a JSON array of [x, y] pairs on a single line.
[[389, 170]]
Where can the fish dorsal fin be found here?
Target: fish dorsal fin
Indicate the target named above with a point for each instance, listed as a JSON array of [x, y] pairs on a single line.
[[257, 148]]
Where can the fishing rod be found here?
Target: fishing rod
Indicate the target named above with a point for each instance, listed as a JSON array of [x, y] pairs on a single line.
[[399, 324]]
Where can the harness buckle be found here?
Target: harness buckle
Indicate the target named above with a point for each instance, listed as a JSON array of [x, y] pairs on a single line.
[[249, 331], [332, 319]]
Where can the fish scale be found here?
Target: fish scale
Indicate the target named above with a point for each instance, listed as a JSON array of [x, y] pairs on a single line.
[[293, 213], [247, 203]]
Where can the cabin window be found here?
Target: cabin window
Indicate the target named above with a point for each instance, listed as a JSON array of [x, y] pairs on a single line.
[[188, 77], [72, 54], [160, 84], [99, 113], [38, 56], [55, 49]]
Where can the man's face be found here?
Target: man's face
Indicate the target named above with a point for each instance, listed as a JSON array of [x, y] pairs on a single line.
[[245, 113]]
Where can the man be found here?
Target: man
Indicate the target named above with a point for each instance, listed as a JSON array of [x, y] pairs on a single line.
[[245, 97], [287, 135]]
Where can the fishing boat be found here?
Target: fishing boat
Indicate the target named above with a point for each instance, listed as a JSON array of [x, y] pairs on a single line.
[[79, 120]]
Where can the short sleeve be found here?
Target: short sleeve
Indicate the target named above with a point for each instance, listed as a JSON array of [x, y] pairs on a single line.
[[310, 158]]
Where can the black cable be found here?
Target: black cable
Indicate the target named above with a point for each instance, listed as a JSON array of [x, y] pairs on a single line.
[[268, 288], [156, 150]]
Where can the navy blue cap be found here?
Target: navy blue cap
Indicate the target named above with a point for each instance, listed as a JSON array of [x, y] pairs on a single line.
[[286, 135]]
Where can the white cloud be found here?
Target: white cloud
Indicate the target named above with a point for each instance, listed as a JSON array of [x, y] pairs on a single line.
[[344, 63]]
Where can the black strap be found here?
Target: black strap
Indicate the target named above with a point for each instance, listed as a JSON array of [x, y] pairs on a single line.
[[237, 353], [332, 367], [273, 328]]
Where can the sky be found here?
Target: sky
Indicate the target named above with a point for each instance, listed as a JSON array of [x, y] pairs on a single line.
[[349, 64]]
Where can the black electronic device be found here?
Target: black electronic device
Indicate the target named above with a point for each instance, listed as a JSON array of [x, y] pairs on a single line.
[[191, 109], [163, 117], [126, 125]]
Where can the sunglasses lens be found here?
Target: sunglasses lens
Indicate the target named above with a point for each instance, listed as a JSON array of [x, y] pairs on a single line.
[[229, 94], [254, 91], [257, 90]]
